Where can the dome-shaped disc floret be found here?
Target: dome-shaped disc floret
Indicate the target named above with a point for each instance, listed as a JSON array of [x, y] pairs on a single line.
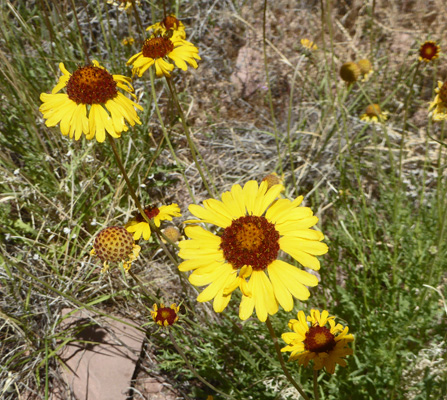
[[91, 85], [115, 244]]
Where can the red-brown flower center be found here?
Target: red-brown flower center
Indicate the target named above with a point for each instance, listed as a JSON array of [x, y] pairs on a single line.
[[91, 85], [170, 22], [250, 240], [166, 314], [150, 211], [319, 339], [157, 47], [429, 50]]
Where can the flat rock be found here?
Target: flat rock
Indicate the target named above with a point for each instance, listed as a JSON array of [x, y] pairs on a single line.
[[101, 363]]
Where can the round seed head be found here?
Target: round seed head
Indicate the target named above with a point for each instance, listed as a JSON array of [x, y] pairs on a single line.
[[113, 244], [350, 72], [365, 66], [172, 233]]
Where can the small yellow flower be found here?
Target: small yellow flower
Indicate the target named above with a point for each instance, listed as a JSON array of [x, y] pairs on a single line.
[[366, 69], [438, 107], [429, 51], [123, 5], [326, 346], [308, 44], [115, 244], [165, 316], [157, 50], [139, 227], [170, 23], [128, 41], [350, 72], [90, 90], [374, 114]]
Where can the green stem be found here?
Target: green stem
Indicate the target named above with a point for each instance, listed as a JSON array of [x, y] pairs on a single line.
[[166, 135], [139, 206], [281, 360], [193, 370], [188, 135], [316, 394]]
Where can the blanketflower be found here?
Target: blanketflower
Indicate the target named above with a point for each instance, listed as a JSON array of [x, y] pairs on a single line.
[[374, 114], [254, 225], [438, 107], [157, 50], [429, 51], [165, 316], [326, 346], [91, 90], [115, 244], [170, 23], [139, 227]]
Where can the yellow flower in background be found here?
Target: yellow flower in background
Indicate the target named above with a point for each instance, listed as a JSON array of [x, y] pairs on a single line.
[[123, 5], [170, 23], [139, 227], [374, 114], [115, 244], [157, 50], [254, 226], [128, 41], [438, 107], [366, 69], [429, 51], [309, 45], [350, 72], [165, 316], [325, 346], [92, 105]]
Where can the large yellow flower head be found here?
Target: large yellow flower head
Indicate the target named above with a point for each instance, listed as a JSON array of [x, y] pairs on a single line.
[[438, 107], [326, 346], [170, 25], [254, 225], [92, 104], [157, 50], [139, 227]]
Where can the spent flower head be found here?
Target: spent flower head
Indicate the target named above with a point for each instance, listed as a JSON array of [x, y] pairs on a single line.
[[92, 105], [374, 114], [254, 227], [325, 345], [429, 51], [115, 244], [165, 316], [350, 72], [139, 227], [366, 69]]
